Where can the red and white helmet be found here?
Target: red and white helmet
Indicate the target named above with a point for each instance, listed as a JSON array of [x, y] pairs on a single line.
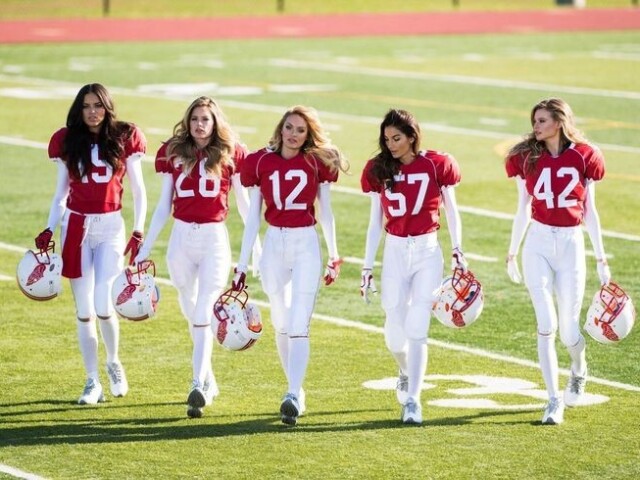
[[239, 321], [611, 315], [39, 274], [460, 300], [134, 294]]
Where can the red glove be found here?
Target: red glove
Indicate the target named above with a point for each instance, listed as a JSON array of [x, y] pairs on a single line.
[[332, 271], [133, 246], [239, 279], [43, 239]]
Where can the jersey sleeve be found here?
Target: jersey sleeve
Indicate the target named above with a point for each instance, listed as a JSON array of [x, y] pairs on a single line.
[[326, 174], [162, 163], [594, 163], [449, 171], [136, 145], [367, 182], [514, 166], [56, 144], [249, 169]]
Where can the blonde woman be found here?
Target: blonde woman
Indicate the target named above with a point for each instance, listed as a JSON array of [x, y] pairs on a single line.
[[555, 169], [289, 175], [199, 166]]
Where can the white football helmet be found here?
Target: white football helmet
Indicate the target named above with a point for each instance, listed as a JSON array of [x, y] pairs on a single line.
[[611, 315], [460, 300], [239, 321], [134, 294], [39, 274]]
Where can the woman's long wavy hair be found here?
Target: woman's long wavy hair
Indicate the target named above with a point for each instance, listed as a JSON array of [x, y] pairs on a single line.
[[385, 167], [531, 149], [317, 143], [220, 150], [79, 139]]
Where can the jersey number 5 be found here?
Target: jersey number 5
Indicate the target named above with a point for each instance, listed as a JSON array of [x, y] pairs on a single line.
[[422, 179]]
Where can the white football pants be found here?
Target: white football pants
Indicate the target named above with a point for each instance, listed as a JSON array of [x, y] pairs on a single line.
[[553, 262], [199, 262], [412, 269], [291, 266], [102, 261]]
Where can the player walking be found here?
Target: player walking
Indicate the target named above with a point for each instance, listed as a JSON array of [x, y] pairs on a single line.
[[406, 187], [296, 168], [199, 166], [555, 169], [94, 152]]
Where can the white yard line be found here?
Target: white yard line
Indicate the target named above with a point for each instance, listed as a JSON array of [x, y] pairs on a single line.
[[258, 107], [17, 473], [461, 79]]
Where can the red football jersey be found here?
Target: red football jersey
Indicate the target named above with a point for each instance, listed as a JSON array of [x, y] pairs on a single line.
[[199, 197], [413, 207], [558, 185], [289, 187], [100, 190]]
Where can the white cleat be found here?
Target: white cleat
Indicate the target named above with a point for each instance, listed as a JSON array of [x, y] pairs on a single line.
[[411, 413], [196, 400], [210, 389], [574, 392], [553, 412], [92, 393], [289, 409], [117, 379]]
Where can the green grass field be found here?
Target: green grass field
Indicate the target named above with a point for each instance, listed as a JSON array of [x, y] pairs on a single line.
[[27, 9], [473, 95]]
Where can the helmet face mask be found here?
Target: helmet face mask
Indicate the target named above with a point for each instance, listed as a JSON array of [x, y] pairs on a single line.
[[611, 315], [239, 323], [135, 294], [460, 300], [39, 274]]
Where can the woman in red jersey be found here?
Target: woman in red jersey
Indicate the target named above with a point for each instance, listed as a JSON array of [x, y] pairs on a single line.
[[406, 186], [555, 170], [94, 152], [297, 167], [199, 166]]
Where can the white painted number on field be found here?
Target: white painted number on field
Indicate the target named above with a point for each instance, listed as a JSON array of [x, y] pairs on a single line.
[[483, 393]]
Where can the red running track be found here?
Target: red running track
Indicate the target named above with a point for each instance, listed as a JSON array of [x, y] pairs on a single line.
[[295, 26]]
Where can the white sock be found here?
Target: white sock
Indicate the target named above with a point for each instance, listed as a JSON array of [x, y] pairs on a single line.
[[401, 360], [88, 341], [299, 350], [549, 363], [416, 367], [282, 345], [578, 356], [202, 348], [110, 331]]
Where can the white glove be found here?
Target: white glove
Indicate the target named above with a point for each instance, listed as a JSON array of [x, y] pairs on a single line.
[[513, 270], [458, 260], [604, 273], [239, 278], [367, 285], [143, 253]]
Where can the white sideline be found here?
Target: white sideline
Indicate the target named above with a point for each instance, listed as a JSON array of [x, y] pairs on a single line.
[[14, 472]]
